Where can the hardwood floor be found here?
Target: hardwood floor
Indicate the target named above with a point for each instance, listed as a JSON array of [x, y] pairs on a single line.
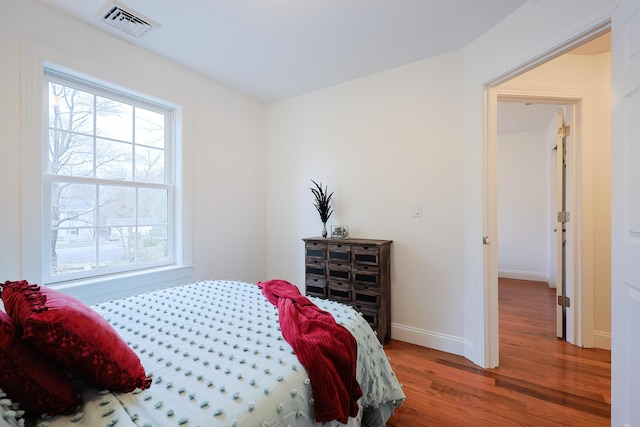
[[541, 380]]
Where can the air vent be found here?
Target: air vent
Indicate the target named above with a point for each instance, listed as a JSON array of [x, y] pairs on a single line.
[[126, 19]]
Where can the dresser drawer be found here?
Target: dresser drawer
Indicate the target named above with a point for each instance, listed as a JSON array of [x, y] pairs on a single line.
[[316, 251], [339, 291], [366, 296], [366, 276], [340, 272], [370, 314], [316, 287], [315, 269], [367, 255], [339, 253]]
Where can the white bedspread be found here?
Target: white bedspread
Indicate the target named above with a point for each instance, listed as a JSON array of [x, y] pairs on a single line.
[[217, 358]]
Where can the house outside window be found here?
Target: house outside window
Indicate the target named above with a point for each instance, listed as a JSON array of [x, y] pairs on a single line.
[[109, 187]]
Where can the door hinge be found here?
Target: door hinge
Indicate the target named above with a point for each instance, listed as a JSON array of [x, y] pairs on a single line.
[[564, 301], [564, 131], [564, 217]]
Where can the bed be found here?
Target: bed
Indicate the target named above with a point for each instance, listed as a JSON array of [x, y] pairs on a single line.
[[9, 417], [216, 357]]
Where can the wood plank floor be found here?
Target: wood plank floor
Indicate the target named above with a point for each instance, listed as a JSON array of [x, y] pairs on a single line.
[[541, 380]]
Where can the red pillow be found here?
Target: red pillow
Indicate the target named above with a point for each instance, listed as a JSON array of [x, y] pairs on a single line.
[[76, 337], [29, 378]]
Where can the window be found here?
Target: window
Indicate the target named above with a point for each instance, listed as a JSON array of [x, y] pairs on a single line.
[[108, 181]]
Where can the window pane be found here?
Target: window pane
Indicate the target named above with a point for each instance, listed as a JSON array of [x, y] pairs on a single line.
[[114, 160], [70, 154], [117, 212], [70, 109], [119, 249], [114, 119], [73, 245], [72, 205], [152, 206], [149, 165], [149, 128], [73, 250], [153, 245], [117, 206], [153, 213]]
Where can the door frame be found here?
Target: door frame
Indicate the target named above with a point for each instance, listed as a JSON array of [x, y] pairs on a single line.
[[569, 108], [573, 101], [584, 283]]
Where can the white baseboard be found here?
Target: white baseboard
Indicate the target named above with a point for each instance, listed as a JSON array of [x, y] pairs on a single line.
[[424, 338], [602, 340], [523, 275]]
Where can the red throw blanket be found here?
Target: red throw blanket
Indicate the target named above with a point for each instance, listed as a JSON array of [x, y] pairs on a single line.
[[326, 349]]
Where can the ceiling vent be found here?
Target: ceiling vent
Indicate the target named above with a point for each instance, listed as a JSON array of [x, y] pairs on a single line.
[[125, 19]]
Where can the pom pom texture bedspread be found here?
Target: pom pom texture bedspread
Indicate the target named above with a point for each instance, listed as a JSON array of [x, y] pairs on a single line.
[[217, 357]]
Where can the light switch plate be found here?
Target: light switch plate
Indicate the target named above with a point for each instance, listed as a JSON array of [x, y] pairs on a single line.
[[417, 210]]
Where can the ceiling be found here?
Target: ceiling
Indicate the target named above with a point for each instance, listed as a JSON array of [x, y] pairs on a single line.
[[523, 117], [277, 49]]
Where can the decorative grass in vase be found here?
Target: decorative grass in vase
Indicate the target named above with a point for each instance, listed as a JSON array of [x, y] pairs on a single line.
[[322, 203]]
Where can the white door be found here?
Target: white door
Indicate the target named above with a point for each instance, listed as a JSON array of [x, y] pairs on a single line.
[[625, 215], [565, 227], [561, 229]]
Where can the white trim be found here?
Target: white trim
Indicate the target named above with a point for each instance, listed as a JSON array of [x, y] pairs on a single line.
[[583, 335], [602, 339], [430, 339], [107, 288], [536, 276], [600, 25], [34, 55], [579, 281], [31, 163], [490, 226], [53, 73]]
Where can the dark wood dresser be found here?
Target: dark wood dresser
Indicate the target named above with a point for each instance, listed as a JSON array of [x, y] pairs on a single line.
[[354, 272]]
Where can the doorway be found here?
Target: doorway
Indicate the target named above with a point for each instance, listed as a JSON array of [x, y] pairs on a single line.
[[592, 276], [531, 191]]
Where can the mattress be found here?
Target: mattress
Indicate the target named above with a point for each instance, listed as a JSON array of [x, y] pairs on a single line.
[[217, 358]]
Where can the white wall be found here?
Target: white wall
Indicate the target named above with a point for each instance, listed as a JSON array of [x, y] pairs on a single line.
[[224, 139], [382, 143], [523, 199], [411, 134]]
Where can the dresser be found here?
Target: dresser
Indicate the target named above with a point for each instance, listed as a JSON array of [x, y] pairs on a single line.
[[354, 272]]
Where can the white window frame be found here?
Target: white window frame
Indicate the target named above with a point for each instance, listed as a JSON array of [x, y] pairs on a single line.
[[90, 86], [35, 57]]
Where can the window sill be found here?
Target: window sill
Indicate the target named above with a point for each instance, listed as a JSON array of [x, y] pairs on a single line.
[[98, 290]]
